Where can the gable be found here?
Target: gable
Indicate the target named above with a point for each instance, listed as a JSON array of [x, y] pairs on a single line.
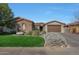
[[25, 22], [55, 23]]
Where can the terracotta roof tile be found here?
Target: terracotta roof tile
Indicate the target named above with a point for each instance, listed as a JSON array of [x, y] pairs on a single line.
[[56, 21], [39, 24], [21, 19], [74, 23]]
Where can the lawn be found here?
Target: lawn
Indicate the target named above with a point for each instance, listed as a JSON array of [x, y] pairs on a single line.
[[21, 41]]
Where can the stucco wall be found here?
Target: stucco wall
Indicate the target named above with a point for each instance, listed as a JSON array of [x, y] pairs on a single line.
[[27, 24], [62, 29], [76, 27], [45, 28]]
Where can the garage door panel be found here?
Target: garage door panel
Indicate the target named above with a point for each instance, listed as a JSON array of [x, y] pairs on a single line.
[[54, 28]]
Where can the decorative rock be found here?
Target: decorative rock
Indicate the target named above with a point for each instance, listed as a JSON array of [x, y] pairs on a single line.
[[54, 39], [19, 33]]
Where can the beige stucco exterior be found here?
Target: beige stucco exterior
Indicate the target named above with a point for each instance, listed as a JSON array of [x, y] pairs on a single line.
[[74, 28]]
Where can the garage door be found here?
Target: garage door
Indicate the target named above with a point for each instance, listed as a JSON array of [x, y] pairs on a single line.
[[54, 28]]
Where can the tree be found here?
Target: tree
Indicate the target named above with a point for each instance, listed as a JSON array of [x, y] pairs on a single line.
[[6, 15]]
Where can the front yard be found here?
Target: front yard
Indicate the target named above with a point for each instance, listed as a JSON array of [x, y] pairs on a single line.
[[21, 41]]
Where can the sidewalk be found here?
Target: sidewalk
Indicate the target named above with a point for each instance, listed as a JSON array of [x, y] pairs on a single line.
[[38, 51]]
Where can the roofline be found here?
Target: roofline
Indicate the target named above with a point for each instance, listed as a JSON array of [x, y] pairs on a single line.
[[72, 24], [75, 23], [55, 21], [20, 19]]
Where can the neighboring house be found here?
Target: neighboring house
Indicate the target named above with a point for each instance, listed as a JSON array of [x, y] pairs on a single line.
[[54, 26], [74, 27], [24, 25], [39, 26]]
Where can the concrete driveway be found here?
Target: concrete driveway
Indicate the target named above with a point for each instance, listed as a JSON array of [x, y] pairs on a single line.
[[72, 39]]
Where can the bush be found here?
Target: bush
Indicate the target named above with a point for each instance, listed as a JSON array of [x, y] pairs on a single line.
[[5, 33], [28, 33], [34, 32], [43, 32]]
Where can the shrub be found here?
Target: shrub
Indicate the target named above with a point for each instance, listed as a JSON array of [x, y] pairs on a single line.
[[43, 32], [34, 32], [29, 33]]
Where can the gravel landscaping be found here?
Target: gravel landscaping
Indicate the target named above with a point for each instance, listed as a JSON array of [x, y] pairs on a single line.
[[54, 39]]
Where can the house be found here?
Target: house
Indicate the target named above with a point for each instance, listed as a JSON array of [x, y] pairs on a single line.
[[24, 25], [54, 26], [39, 26], [74, 27]]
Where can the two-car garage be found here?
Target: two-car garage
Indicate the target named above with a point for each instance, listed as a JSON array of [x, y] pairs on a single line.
[[54, 26]]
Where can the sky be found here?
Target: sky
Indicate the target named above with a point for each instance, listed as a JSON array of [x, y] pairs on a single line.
[[45, 12]]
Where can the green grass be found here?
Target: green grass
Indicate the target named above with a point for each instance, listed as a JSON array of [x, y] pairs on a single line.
[[21, 41]]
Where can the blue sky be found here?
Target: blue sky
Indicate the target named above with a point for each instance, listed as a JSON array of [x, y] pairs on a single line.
[[42, 12]]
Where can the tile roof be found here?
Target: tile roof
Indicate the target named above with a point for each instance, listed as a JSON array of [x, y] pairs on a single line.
[[21, 19], [74, 23], [56, 21], [39, 24]]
